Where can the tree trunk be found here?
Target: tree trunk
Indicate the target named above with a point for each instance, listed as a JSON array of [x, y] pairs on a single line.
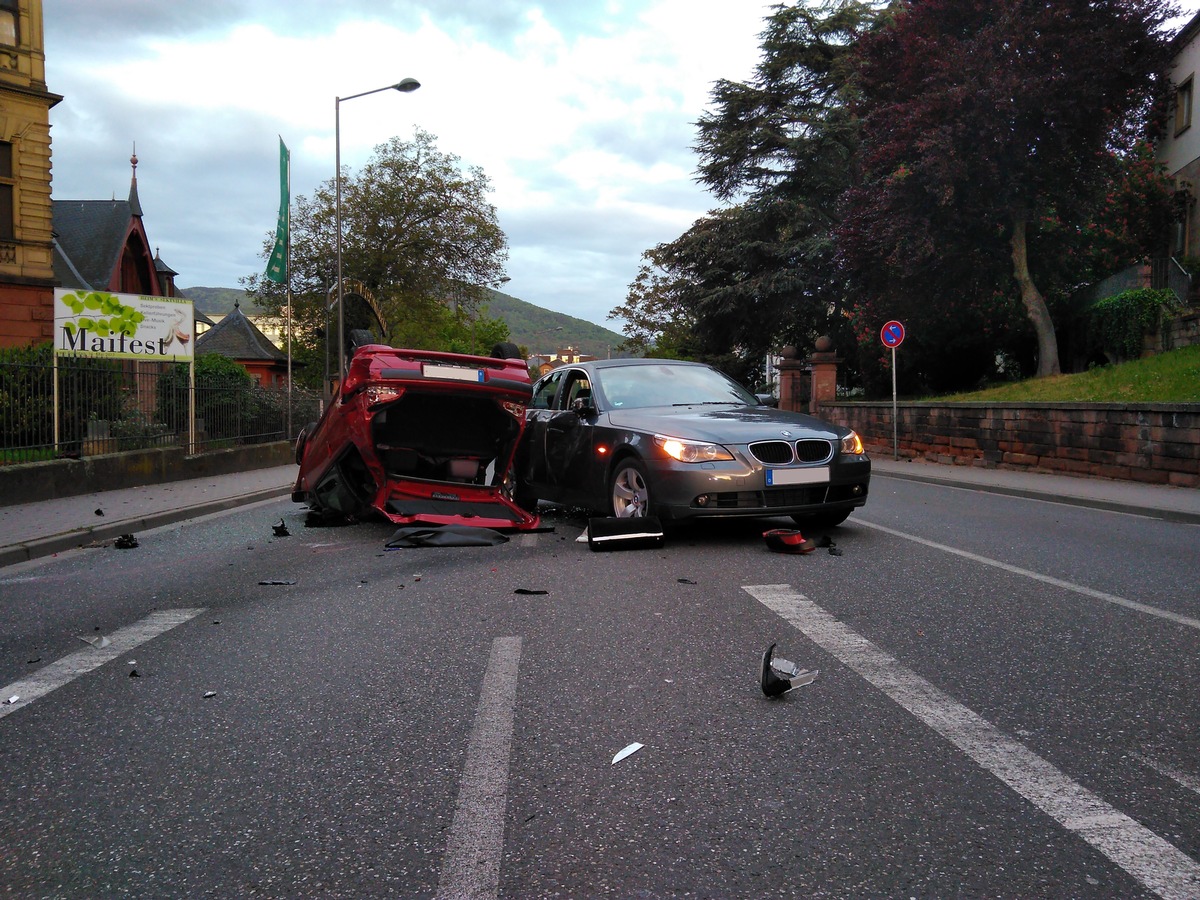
[[1035, 304]]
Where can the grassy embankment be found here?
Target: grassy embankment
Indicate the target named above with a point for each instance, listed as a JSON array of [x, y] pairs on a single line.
[[1172, 377]]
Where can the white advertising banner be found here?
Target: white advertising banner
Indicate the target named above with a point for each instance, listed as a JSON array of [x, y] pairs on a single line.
[[125, 326]]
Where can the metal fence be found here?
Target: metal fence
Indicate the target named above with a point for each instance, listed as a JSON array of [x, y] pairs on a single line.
[[109, 406]]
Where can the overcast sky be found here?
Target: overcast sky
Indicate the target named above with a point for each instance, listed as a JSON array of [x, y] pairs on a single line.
[[581, 112]]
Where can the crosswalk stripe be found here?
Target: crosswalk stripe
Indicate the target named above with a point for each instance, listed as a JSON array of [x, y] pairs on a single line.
[[52, 677], [1154, 862]]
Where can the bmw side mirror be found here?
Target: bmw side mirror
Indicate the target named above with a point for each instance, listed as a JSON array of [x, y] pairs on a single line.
[[767, 400]]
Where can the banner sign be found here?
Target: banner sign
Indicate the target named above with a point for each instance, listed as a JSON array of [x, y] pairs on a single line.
[[277, 264], [123, 326]]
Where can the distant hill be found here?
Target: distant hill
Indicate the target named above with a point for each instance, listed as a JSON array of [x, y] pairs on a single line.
[[545, 331], [541, 330]]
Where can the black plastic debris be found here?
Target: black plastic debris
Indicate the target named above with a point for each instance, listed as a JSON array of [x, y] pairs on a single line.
[[826, 542], [133, 673], [685, 581], [634, 533], [125, 542], [778, 676], [324, 518], [99, 512], [276, 581], [529, 592], [787, 540], [281, 530], [444, 536]]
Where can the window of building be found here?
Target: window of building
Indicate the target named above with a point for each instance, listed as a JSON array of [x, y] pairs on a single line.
[[9, 17], [1183, 105], [7, 186]]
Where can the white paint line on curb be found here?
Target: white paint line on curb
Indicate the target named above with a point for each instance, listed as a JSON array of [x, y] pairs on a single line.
[[1037, 576], [471, 866], [52, 677], [1154, 862]]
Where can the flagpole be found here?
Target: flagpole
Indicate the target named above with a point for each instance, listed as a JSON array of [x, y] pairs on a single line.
[[288, 288]]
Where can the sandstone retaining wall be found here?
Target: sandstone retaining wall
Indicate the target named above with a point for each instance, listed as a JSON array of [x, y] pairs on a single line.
[[1151, 443]]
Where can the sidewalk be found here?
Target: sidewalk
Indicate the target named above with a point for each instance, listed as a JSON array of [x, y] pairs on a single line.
[[1157, 501], [33, 530]]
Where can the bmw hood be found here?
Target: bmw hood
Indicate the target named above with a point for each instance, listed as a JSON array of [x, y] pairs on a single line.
[[725, 424]]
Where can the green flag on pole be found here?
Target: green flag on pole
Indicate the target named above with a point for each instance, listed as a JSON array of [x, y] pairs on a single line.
[[277, 265]]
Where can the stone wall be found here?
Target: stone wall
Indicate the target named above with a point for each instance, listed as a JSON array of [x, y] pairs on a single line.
[[31, 482], [1181, 331], [1154, 443]]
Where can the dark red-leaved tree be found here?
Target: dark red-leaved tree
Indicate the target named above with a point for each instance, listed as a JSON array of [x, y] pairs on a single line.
[[982, 118]]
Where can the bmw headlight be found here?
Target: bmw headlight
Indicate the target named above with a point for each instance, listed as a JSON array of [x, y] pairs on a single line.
[[852, 444], [691, 451]]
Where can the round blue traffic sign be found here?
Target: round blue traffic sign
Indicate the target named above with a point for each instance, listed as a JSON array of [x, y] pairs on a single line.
[[892, 334]]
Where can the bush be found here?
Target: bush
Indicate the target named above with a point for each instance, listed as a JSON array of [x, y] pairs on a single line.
[[221, 385], [87, 388], [1118, 325]]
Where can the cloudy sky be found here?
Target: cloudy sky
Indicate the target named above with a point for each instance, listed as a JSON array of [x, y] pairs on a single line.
[[581, 112]]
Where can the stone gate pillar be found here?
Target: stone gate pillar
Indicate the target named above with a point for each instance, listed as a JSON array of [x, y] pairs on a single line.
[[824, 363], [793, 381]]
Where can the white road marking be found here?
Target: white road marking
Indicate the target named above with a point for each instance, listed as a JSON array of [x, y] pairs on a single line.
[[1154, 862], [70, 667], [1037, 576], [471, 866], [1191, 782]]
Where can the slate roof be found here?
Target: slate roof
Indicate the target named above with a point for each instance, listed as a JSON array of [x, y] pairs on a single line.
[[238, 338], [90, 236]]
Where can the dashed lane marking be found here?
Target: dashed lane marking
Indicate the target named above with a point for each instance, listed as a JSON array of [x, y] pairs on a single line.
[[471, 866], [64, 671], [1150, 859]]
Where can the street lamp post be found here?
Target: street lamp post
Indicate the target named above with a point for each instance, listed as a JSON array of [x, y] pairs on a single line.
[[407, 86]]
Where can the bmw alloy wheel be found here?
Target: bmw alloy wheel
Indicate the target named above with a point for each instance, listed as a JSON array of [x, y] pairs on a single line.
[[630, 494]]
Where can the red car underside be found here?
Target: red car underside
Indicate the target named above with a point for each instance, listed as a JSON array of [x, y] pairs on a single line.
[[419, 437]]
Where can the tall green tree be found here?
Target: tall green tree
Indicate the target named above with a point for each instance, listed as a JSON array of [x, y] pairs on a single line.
[[780, 151], [418, 232], [984, 119]]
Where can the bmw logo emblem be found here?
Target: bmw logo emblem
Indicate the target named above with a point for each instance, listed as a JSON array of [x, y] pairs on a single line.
[[786, 433]]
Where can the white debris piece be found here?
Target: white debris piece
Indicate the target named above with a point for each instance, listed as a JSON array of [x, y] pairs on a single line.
[[628, 751]]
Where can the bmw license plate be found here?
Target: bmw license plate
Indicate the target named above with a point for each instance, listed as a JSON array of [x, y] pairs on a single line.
[[814, 475], [454, 373]]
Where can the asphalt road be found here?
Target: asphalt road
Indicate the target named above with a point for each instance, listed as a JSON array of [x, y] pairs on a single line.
[[1005, 708]]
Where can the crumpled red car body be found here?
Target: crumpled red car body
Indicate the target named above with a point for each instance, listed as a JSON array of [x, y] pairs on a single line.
[[419, 436]]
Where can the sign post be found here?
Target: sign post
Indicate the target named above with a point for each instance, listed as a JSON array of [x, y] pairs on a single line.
[[892, 335]]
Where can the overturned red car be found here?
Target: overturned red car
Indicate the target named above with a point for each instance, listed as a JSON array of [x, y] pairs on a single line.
[[419, 436]]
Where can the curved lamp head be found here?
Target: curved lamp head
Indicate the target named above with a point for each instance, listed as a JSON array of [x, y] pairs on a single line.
[[407, 86]]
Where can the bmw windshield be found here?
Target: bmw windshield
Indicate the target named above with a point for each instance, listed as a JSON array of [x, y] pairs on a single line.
[[641, 386]]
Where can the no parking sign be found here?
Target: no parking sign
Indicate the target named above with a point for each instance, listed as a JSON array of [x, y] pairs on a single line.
[[892, 335]]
